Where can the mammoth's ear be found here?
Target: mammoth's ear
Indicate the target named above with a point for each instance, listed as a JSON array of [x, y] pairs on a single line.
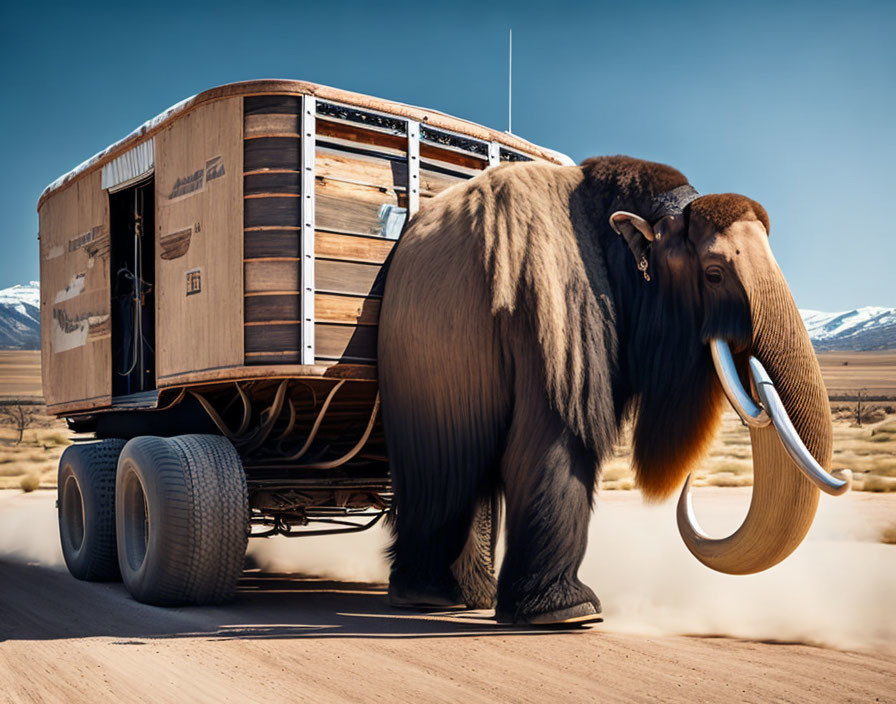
[[637, 233], [624, 223]]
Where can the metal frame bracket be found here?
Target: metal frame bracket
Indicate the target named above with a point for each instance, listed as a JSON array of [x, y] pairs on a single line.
[[413, 167], [306, 210], [494, 154]]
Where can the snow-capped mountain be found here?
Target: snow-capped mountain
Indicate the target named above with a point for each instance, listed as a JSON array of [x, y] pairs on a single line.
[[20, 317], [868, 328]]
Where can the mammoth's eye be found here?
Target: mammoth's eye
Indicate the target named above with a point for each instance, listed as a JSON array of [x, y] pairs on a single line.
[[713, 274]]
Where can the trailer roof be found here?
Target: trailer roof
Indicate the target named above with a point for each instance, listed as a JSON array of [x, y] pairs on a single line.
[[260, 87]]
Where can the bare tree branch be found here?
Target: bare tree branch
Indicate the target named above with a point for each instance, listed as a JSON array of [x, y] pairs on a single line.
[[19, 416]]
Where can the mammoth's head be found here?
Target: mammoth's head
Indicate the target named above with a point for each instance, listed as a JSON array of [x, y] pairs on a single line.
[[713, 252]]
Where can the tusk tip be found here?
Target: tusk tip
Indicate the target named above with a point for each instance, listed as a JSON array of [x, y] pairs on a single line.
[[845, 476], [685, 509], [684, 495]]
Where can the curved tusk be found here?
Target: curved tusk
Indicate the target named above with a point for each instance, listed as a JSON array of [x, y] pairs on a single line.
[[782, 507], [751, 413], [685, 515], [772, 411], [833, 483], [783, 502]]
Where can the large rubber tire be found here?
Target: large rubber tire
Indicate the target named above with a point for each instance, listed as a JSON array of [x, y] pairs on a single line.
[[86, 502], [182, 519]]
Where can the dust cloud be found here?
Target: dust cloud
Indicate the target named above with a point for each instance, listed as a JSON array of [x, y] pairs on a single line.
[[352, 557], [838, 589], [29, 531]]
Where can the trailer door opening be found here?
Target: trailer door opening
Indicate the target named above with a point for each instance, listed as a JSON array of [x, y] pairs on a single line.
[[132, 259]]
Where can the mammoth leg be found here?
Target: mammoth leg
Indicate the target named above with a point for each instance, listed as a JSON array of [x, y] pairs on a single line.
[[427, 543], [474, 570], [445, 413], [439, 476], [548, 478]]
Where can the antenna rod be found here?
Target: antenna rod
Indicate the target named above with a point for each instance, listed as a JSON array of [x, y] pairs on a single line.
[[510, 86]]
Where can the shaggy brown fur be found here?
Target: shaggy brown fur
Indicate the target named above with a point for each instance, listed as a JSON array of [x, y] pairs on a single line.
[[631, 181], [725, 209], [515, 334]]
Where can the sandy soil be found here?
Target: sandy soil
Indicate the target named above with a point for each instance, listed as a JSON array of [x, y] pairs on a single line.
[[20, 374], [333, 637], [846, 373]]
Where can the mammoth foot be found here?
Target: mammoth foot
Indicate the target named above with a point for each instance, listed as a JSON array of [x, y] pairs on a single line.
[[577, 615], [479, 594], [563, 604], [468, 596], [471, 589], [424, 594], [420, 601]]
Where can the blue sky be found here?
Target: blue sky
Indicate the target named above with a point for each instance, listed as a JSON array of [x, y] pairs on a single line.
[[793, 104]]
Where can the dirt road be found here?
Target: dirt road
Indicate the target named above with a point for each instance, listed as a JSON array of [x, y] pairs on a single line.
[[291, 638]]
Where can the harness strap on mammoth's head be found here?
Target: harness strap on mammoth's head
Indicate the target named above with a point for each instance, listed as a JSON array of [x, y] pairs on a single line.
[[639, 233]]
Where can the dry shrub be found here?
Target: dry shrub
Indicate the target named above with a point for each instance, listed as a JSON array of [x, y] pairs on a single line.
[[10, 470], [888, 535], [729, 479], [55, 438], [615, 471], [618, 485], [874, 464], [884, 466], [725, 464], [862, 445], [873, 415], [879, 484], [30, 482], [882, 439], [888, 428]]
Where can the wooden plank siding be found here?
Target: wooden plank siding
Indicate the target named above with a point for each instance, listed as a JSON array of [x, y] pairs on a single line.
[[359, 310], [357, 170], [328, 308], [271, 229], [371, 250], [360, 166]]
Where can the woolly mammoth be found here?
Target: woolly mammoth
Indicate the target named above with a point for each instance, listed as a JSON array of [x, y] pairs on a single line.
[[526, 314]]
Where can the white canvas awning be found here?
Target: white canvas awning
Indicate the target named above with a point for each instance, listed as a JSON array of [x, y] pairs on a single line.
[[130, 166]]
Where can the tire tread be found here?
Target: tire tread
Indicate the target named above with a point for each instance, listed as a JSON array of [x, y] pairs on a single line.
[[96, 463], [203, 501]]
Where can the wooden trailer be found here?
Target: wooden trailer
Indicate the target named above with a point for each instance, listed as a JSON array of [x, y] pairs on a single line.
[[210, 290]]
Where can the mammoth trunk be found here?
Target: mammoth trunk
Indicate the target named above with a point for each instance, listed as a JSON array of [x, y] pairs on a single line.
[[784, 502], [781, 343]]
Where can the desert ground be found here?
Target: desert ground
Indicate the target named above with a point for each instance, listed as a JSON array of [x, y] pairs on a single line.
[[311, 619], [868, 449], [846, 373], [20, 374]]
